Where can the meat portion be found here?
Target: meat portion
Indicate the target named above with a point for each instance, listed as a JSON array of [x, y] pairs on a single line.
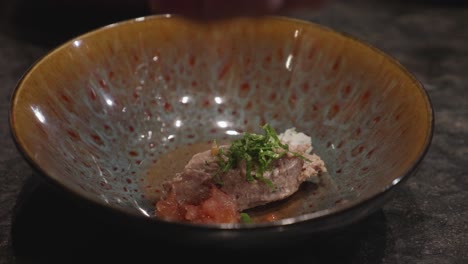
[[192, 190], [203, 193], [285, 178], [287, 175]]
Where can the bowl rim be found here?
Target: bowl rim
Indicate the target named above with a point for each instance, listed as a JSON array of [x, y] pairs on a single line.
[[308, 217]]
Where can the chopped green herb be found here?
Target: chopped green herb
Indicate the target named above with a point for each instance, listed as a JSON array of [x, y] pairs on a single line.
[[257, 151], [245, 218], [217, 178]]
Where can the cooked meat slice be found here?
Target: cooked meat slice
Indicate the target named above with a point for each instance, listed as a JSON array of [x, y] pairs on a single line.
[[203, 161], [285, 177], [192, 186], [203, 193]]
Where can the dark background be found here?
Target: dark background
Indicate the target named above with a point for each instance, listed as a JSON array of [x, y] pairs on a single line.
[[426, 221]]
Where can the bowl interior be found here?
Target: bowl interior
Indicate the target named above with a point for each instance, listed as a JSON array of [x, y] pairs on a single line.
[[99, 113]]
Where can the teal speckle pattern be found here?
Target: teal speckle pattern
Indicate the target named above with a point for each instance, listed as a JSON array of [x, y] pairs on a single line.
[[113, 107]]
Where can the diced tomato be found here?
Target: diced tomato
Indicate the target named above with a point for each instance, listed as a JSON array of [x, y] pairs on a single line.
[[217, 208]]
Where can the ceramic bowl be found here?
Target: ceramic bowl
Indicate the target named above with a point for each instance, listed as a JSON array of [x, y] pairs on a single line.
[[97, 114]]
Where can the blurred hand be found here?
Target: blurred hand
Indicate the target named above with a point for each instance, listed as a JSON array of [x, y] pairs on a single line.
[[215, 9]]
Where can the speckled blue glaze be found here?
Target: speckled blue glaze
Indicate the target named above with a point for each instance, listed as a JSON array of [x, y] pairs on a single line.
[[97, 112]]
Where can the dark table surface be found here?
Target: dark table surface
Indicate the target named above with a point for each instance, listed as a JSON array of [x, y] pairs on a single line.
[[425, 222]]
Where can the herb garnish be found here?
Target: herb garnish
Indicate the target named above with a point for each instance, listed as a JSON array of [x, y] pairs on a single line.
[[257, 151], [245, 218]]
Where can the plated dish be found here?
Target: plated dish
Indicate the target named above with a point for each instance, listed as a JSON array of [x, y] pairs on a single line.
[[112, 116], [220, 183]]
